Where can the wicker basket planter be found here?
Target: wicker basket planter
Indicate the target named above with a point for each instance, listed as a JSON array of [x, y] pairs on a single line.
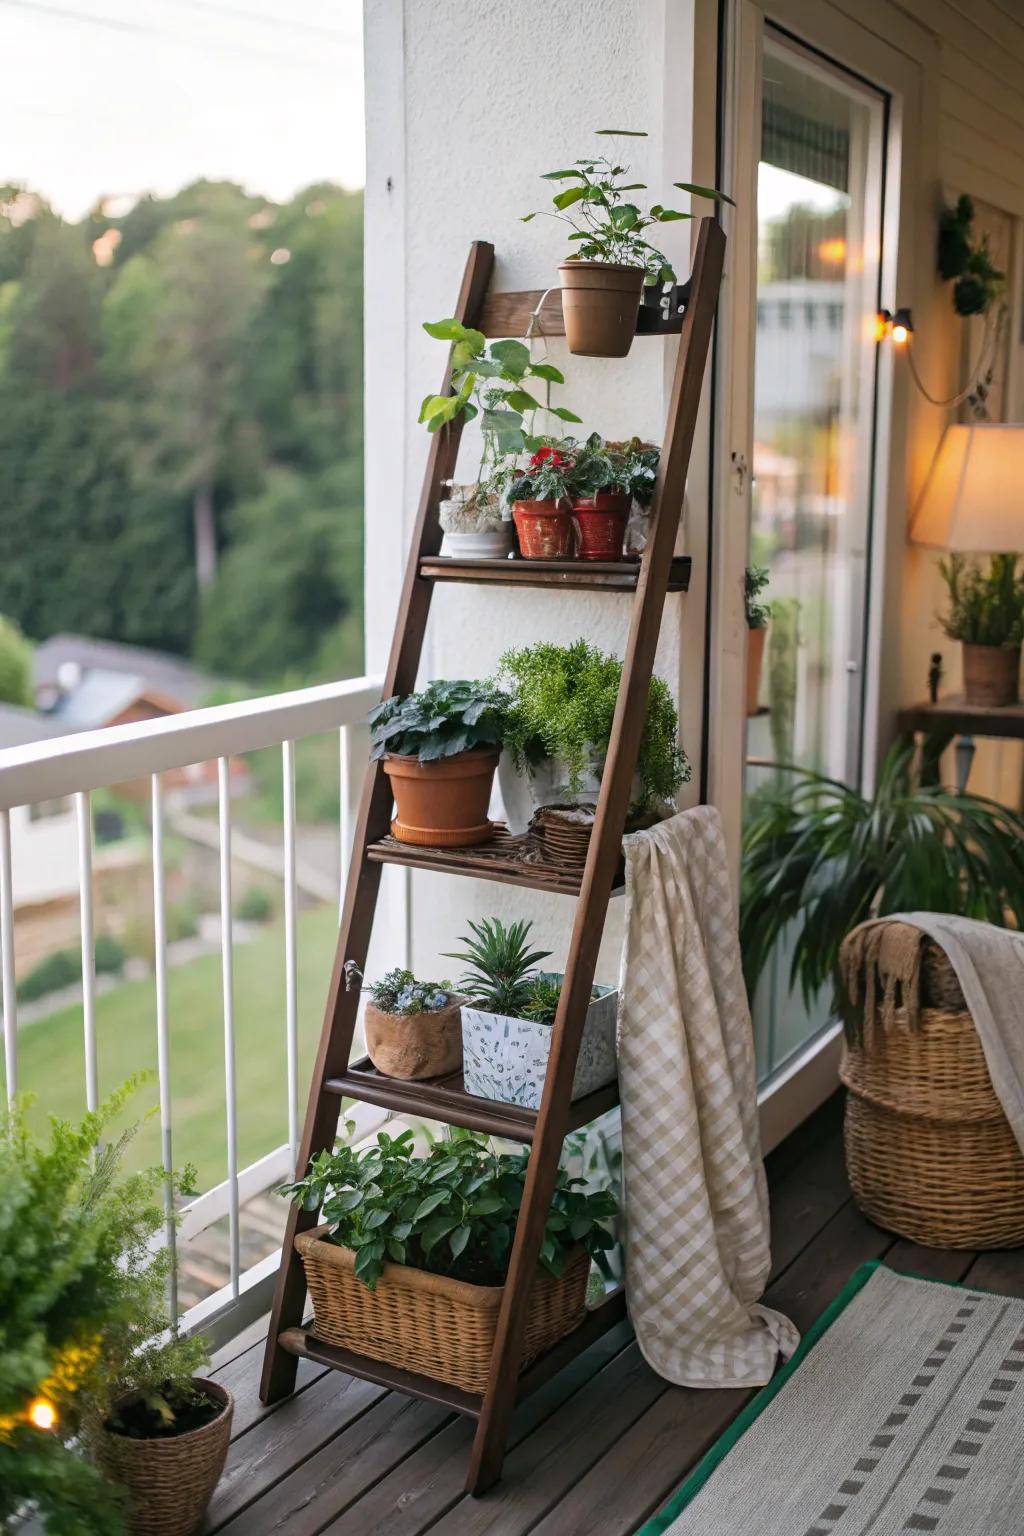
[[428, 1323], [170, 1480], [929, 1152]]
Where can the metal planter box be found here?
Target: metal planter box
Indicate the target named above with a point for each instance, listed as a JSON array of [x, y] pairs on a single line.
[[507, 1059]]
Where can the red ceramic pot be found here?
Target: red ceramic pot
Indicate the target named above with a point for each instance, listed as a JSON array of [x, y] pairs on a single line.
[[546, 529], [602, 524]]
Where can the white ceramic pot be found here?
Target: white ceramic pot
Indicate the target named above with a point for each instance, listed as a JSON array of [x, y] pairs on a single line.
[[507, 1059], [492, 544], [548, 784]]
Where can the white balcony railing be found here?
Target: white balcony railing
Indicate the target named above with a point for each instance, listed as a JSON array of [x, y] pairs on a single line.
[[76, 765]]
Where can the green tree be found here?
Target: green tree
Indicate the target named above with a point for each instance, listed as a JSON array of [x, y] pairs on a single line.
[[15, 665]]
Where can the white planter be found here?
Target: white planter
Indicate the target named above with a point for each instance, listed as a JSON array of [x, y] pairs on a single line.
[[507, 1059], [547, 784], [491, 544]]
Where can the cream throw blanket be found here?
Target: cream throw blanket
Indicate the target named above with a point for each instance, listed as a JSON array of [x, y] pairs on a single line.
[[696, 1201]]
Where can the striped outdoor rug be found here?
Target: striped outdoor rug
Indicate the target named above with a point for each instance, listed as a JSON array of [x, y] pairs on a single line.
[[902, 1411]]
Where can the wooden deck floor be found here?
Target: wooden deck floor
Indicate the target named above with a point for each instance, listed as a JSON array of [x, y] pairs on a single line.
[[596, 1450]]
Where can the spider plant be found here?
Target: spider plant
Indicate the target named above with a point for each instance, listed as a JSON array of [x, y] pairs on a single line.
[[819, 855]]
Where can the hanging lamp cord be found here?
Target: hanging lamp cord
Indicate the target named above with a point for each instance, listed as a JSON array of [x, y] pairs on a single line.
[[990, 339]]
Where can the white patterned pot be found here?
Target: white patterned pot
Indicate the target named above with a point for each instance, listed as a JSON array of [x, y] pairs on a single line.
[[507, 1059]]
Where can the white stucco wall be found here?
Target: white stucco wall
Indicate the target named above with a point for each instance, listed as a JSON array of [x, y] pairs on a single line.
[[44, 855], [466, 106]]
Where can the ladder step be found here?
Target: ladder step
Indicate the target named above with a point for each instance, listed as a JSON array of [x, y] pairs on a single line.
[[297, 1342], [508, 859], [446, 1099], [572, 575]]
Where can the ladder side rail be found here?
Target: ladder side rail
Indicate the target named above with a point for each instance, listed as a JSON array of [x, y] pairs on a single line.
[[362, 889], [602, 859]]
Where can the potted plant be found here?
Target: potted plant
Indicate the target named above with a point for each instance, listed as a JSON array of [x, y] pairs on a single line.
[[977, 282], [603, 279], [440, 749], [410, 1262], [986, 614], [755, 579], [541, 498], [413, 1028], [507, 1019], [608, 479], [494, 385], [558, 725], [88, 1357]]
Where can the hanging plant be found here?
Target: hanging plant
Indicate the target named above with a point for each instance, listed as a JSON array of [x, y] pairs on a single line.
[[977, 282]]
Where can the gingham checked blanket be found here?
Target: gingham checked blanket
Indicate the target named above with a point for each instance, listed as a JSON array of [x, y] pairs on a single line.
[[696, 1201]]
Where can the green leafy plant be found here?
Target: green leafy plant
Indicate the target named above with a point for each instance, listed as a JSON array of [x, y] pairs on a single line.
[[492, 383], [453, 1212], [562, 705], [399, 992], [823, 857], [83, 1316], [606, 225], [977, 281], [985, 607], [501, 965], [566, 467], [446, 717], [755, 579], [541, 1005], [256, 905], [15, 665], [633, 467]]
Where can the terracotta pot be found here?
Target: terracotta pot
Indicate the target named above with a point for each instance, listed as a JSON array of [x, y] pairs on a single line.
[[755, 656], [600, 304], [170, 1480], [423, 1045], [546, 529], [992, 675], [602, 523], [442, 804]]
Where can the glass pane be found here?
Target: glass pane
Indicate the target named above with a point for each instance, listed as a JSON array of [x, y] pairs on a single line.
[[819, 236]]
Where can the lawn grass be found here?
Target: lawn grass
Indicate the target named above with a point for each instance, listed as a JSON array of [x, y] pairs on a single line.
[[51, 1062]]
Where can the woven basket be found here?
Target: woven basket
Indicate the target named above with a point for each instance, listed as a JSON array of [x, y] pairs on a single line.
[[929, 1152], [428, 1323], [170, 1481]]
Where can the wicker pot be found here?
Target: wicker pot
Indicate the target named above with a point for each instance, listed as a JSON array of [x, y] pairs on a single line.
[[600, 304], [547, 529], [170, 1481], [929, 1152], [420, 1046], [602, 524], [442, 804], [992, 675], [755, 659], [431, 1324], [507, 1059]]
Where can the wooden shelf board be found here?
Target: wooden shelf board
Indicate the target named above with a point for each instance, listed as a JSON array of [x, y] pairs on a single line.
[[509, 860], [574, 575], [446, 1099], [509, 313], [308, 1347]]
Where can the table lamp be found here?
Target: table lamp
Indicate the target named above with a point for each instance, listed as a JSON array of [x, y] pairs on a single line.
[[973, 498]]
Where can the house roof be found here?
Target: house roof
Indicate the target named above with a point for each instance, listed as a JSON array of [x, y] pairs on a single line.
[[149, 670], [97, 699], [19, 726]]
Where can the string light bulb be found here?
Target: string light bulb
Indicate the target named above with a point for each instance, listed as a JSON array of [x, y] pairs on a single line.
[[897, 328], [42, 1414]]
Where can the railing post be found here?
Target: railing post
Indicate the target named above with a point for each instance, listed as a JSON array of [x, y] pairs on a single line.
[[163, 1056], [227, 971], [10, 999]]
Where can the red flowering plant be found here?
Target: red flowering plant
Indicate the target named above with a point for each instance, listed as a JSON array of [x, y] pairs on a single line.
[[560, 468]]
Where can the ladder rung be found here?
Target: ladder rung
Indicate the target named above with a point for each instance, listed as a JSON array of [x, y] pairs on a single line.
[[297, 1342], [507, 859]]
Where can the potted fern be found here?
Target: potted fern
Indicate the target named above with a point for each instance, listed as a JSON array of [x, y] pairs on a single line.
[[413, 1028], [507, 1018], [755, 579], [986, 614], [410, 1261]]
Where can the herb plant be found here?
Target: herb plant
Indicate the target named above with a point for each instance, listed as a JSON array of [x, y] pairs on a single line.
[[985, 607], [445, 718], [501, 966], [755, 579], [453, 1212], [399, 992], [606, 226], [562, 706], [822, 857]]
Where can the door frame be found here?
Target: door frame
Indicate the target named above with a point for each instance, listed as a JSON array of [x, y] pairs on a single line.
[[886, 49]]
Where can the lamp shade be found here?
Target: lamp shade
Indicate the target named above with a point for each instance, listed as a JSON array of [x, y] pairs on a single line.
[[973, 499]]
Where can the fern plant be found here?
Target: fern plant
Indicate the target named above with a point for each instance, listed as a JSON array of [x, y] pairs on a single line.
[[985, 607], [823, 857]]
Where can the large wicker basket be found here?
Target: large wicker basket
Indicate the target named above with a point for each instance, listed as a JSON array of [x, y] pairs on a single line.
[[170, 1481], [929, 1152], [428, 1323]]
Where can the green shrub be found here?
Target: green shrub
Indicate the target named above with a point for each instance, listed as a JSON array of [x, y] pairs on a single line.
[[15, 666], [985, 607], [182, 921], [61, 969], [256, 905], [110, 955]]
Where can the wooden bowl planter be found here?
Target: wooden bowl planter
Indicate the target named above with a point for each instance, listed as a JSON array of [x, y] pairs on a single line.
[[602, 520], [415, 1046], [442, 804], [431, 1324], [507, 1059], [170, 1479], [755, 661], [546, 529], [600, 305], [992, 675]]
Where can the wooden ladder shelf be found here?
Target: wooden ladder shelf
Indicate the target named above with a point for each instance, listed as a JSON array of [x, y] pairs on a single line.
[[657, 572]]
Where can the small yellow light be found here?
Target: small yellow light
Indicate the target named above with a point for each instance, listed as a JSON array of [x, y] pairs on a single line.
[[883, 323], [899, 335], [833, 251], [42, 1414]]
